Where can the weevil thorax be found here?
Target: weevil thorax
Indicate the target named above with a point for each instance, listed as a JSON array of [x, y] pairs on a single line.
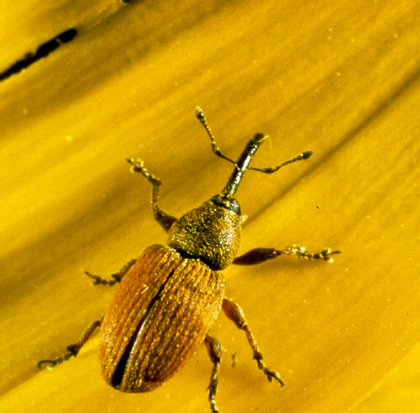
[[210, 232]]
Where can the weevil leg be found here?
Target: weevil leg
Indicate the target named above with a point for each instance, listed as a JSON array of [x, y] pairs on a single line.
[[73, 349], [116, 278], [164, 220], [259, 255], [215, 351], [235, 313]]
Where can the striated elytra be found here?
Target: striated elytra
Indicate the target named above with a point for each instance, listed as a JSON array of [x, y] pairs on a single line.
[[164, 307], [170, 296]]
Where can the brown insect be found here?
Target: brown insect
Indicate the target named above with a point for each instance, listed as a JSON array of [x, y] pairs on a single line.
[[170, 296]]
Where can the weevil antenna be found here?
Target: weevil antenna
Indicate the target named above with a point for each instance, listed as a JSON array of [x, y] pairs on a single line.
[[200, 116], [301, 157], [242, 164]]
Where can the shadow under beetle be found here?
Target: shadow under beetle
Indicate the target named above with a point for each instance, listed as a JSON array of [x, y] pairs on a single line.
[[170, 296]]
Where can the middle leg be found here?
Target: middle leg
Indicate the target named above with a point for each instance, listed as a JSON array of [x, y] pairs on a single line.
[[215, 351], [235, 313]]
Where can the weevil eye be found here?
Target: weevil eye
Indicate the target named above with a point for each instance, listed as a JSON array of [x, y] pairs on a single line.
[[227, 202]]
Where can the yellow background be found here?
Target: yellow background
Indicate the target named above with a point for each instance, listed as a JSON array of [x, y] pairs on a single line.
[[339, 78]]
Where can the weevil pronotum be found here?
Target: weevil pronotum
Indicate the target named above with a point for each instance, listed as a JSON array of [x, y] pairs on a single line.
[[169, 297]]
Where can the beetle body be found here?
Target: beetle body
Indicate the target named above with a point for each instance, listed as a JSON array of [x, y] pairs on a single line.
[[170, 296], [168, 300]]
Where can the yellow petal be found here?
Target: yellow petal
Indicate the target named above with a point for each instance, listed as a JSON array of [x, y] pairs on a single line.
[[337, 78]]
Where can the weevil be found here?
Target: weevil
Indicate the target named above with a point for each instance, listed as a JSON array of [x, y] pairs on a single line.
[[169, 297]]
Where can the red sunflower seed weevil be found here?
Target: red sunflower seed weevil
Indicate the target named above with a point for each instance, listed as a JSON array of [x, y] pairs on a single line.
[[170, 296]]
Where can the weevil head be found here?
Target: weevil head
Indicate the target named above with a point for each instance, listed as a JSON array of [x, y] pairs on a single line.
[[210, 232]]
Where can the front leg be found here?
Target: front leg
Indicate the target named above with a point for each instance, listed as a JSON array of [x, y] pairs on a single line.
[[259, 255], [165, 220]]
